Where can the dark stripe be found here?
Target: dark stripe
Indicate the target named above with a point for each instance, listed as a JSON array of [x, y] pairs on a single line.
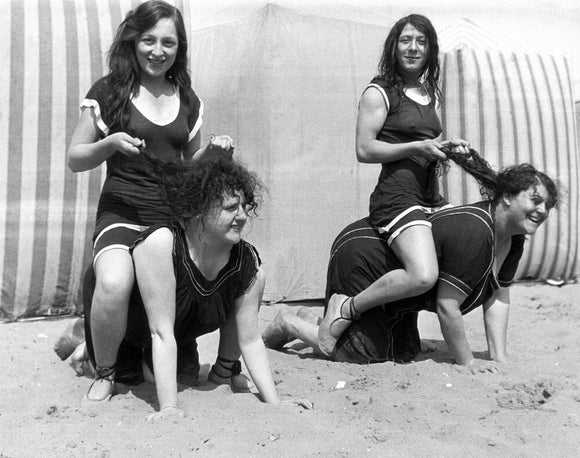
[[525, 272], [445, 179], [116, 16], [462, 108], [70, 185], [568, 110], [542, 157], [510, 96], [94, 182], [498, 125], [14, 175], [481, 105], [43, 161], [552, 92]]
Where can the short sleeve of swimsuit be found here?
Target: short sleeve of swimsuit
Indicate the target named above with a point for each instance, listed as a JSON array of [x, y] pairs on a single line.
[[96, 99], [465, 256]]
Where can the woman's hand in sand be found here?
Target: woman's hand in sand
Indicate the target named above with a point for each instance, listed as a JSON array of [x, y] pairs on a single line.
[[478, 366], [165, 412], [304, 403]]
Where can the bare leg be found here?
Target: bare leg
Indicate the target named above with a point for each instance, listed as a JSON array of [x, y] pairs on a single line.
[[73, 335], [288, 325], [80, 361], [115, 278], [275, 336], [416, 250]]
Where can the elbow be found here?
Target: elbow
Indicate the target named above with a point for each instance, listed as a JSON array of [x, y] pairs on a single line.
[[362, 156], [73, 163]]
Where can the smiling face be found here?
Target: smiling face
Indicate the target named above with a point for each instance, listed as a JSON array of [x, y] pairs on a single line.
[[156, 49], [227, 219], [412, 51], [528, 209]]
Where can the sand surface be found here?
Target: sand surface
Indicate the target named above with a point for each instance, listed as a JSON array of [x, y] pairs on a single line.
[[426, 408]]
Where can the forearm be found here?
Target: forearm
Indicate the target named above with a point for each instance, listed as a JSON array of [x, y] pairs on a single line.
[[87, 156], [453, 330], [378, 152], [496, 323], [165, 367], [256, 359]]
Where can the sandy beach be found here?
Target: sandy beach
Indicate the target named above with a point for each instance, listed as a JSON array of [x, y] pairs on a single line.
[[531, 407]]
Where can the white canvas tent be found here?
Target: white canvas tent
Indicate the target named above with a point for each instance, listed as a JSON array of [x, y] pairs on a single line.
[[285, 85]]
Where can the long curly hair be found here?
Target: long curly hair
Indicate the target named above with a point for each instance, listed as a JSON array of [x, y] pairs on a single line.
[[389, 65], [124, 75], [191, 189], [509, 181]]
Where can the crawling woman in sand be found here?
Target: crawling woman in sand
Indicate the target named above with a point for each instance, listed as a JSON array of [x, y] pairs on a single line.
[[478, 247]]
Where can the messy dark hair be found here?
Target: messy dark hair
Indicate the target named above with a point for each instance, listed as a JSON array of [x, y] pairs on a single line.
[[191, 189], [509, 181]]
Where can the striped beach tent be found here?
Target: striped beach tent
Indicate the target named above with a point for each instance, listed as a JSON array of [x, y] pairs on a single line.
[[515, 104], [57, 48], [285, 85]]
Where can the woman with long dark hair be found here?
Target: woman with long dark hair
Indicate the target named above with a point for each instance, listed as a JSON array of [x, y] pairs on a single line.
[[398, 127]]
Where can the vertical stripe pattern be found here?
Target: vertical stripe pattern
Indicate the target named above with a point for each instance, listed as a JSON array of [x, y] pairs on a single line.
[[265, 80], [515, 106]]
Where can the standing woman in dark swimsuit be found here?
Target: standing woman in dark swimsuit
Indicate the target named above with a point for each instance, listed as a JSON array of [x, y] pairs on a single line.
[[398, 127], [144, 107]]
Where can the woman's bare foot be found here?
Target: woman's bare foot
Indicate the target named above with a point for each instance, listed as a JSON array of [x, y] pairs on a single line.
[[70, 339], [334, 323], [81, 363], [275, 336]]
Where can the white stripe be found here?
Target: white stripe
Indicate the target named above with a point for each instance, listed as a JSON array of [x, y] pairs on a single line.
[[383, 93], [81, 198], [418, 222], [198, 123], [400, 216], [5, 34], [92, 104], [58, 154], [134, 227], [29, 154]]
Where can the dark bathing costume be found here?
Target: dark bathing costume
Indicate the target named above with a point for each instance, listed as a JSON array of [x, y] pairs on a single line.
[[465, 245], [202, 306]]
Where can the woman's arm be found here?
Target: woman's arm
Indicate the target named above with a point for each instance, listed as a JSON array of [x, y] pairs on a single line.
[[449, 299], [372, 114], [156, 279], [251, 344], [495, 317], [86, 151]]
